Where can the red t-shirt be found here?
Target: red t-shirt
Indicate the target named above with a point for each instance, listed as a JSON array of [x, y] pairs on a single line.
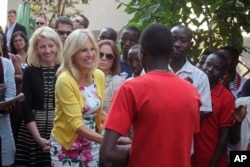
[[206, 140], [164, 111]]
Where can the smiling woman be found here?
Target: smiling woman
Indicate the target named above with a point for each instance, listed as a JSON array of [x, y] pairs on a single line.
[[79, 94], [45, 55]]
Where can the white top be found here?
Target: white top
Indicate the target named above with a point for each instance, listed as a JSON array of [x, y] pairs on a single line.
[[8, 145], [9, 79], [92, 101], [245, 126], [200, 81], [112, 83]]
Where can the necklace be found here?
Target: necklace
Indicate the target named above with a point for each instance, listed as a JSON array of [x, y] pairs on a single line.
[[48, 79]]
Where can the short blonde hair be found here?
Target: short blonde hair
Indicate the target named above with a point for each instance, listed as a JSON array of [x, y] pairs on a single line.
[[73, 44], [48, 33]]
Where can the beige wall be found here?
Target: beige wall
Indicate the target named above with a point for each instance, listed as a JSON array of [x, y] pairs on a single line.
[[104, 13], [101, 13]]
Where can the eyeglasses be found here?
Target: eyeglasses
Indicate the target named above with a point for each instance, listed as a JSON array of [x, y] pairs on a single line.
[[107, 55], [41, 23], [61, 32]]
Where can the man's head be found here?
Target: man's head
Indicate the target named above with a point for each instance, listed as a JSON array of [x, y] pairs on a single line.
[[41, 21], [63, 27], [232, 55], [203, 58], [80, 21], [134, 59], [107, 33], [12, 16], [129, 37], [182, 41], [215, 67], [157, 44]]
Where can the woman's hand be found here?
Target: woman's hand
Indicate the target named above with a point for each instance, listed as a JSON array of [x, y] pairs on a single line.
[[239, 113], [11, 107], [44, 144]]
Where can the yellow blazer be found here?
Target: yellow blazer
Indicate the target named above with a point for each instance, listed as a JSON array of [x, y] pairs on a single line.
[[69, 104]]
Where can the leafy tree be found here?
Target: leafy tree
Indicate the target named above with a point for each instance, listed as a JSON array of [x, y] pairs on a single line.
[[52, 9], [214, 22]]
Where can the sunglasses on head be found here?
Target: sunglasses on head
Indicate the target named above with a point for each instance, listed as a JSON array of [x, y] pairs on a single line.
[[78, 21], [61, 32], [41, 23], [107, 55]]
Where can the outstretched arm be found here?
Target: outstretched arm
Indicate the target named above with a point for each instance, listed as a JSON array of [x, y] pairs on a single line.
[[110, 151], [89, 134]]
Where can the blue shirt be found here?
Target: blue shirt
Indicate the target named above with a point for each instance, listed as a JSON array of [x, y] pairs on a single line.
[[126, 72]]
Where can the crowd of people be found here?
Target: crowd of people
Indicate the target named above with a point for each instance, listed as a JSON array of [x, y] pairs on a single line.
[[89, 103]]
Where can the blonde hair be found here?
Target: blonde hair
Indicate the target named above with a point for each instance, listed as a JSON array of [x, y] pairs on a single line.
[[73, 44], [48, 33]]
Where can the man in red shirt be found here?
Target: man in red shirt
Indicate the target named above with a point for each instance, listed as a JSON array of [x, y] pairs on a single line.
[[164, 118], [210, 144]]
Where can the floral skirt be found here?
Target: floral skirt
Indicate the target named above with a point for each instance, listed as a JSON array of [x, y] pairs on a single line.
[[82, 153]]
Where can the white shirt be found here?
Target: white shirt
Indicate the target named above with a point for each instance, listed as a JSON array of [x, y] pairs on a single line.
[[9, 79], [9, 33], [200, 81], [245, 126]]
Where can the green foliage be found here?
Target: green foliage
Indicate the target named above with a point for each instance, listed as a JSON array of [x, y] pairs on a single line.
[[214, 22], [52, 9]]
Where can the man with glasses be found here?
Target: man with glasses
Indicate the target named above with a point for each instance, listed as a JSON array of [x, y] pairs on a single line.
[[41, 21], [13, 26], [80, 21], [63, 27]]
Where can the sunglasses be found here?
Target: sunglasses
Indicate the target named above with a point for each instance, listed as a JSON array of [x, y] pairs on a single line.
[[61, 32], [78, 21], [107, 55], [41, 23]]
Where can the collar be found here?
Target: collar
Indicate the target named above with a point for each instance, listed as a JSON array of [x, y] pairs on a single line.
[[237, 81], [187, 67], [13, 25], [216, 91]]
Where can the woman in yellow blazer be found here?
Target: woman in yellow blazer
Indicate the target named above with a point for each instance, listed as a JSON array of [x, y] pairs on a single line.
[[79, 93]]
